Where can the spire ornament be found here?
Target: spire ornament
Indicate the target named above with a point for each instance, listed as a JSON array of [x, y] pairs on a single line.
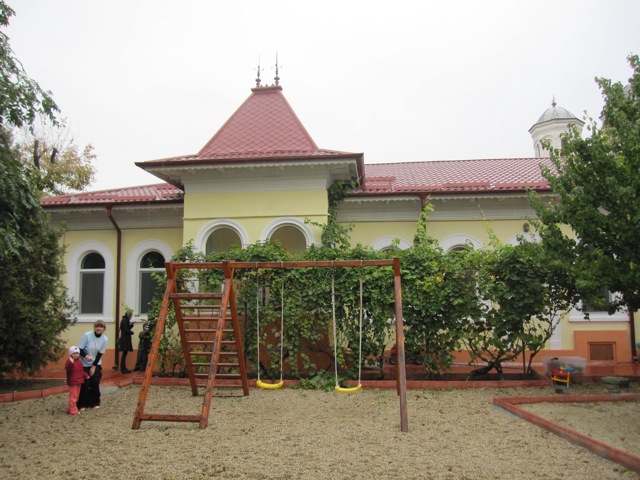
[[277, 78], [258, 77]]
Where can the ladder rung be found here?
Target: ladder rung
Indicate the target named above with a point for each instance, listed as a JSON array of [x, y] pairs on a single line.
[[200, 330], [219, 375], [200, 307], [227, 354], [159, 417], [209, 342], [194, 296]]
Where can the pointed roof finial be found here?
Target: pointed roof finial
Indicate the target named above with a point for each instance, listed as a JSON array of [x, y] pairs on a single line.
[[553, 102], [277, 78], [258, 77]]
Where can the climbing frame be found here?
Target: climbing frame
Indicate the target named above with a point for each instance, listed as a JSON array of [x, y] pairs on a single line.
[[211, 341], [206, 338]]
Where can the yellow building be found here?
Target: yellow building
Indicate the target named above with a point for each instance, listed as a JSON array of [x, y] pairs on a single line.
[[261, 175]]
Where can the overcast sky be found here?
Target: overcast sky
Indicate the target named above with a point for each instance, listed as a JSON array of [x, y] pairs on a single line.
[[400, 81]]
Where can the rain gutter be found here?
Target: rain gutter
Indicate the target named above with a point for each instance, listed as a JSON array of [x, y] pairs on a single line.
[[118, 258]]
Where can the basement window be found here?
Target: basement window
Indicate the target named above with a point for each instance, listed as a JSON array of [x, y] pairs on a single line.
[[602, 352]]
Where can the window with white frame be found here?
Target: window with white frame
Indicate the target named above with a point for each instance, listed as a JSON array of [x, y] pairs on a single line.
[[151, 264], [293, 234], [92, 272], [222, 239], [290, 237]]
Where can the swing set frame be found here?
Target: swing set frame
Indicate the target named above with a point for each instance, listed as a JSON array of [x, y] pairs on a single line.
[[229, 301]]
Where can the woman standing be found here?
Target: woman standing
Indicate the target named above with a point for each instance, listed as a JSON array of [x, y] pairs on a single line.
[[92, 346], [124, 343]]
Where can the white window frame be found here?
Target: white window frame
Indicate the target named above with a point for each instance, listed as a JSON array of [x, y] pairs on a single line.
[[385, 242], [200, 242], [277, 223], [132, 296], [460, 240], [73, 279]]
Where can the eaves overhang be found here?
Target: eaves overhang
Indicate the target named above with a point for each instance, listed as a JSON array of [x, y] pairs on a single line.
[[172, 170]]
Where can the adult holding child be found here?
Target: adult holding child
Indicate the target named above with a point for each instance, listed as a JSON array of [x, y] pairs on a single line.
[[92, 345]]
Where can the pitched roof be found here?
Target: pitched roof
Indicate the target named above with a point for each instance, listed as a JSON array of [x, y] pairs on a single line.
[[264, 127], [411, 178], [474, 176], [159, 193]]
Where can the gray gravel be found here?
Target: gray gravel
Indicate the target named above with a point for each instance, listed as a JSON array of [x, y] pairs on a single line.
[[290, 434]]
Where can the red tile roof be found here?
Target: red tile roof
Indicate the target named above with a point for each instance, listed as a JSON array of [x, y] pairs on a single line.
[[159, 193], [437, 177], [264, 127], [488, 175], [265, 122]]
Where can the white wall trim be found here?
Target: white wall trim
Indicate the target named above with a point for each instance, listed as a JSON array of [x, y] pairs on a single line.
[[528, 237], [273, 225], [73, 279], [132, 295], [458, 240], [385, 242], [200, 241]]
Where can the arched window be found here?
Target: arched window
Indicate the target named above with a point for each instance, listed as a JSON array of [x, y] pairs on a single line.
[[222, 239], [92, 269], [293, 234], [219, 235], [151, 263], [290, 237], [383, 244], [459, 242]]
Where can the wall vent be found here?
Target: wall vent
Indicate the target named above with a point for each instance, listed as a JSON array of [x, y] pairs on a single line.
[[601, 352]]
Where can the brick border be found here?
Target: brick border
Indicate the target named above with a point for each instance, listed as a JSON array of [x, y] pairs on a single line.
[[122, 381], [627, 460]]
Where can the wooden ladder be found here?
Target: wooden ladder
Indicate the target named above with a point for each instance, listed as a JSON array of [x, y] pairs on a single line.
[[212, 348]]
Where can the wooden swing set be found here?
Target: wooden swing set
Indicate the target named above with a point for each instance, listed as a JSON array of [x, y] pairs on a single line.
[[211, 337]]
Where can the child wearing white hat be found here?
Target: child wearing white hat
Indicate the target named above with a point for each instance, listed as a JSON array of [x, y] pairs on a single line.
[[76, 376]]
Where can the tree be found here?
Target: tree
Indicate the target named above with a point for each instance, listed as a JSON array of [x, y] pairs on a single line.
[[524, 294], [597, 186], [21, 98], [60, 164], [34, 308]]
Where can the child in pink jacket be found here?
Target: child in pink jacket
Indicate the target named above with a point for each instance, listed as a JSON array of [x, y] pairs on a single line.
[[75, 378]]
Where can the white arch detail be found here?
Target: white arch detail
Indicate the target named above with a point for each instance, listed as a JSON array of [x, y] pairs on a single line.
[[527, 237], [385, 242], [459, 240], [200, 242], [132, 287], [273, 225], [73, 279]]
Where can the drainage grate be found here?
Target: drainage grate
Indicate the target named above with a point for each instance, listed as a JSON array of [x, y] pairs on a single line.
[[601, 351]]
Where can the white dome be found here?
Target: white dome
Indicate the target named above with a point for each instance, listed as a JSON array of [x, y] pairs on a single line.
[[555, 113]]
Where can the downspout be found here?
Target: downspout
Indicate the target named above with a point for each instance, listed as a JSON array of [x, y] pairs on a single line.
[[632, 334], [118, 257]]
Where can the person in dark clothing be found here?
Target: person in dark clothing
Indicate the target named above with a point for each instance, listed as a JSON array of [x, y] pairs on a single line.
[[143, 348], [125, 343]]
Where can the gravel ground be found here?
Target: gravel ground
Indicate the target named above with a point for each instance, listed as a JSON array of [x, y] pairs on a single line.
[[302, 434]]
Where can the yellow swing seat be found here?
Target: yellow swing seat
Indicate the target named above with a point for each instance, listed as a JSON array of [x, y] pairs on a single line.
[[269, 386], [348, 389]]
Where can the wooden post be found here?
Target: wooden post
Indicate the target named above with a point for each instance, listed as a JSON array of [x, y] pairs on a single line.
[[401, 374], [153, 353]]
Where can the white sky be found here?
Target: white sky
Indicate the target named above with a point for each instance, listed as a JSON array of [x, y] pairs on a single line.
[[399, 81]]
